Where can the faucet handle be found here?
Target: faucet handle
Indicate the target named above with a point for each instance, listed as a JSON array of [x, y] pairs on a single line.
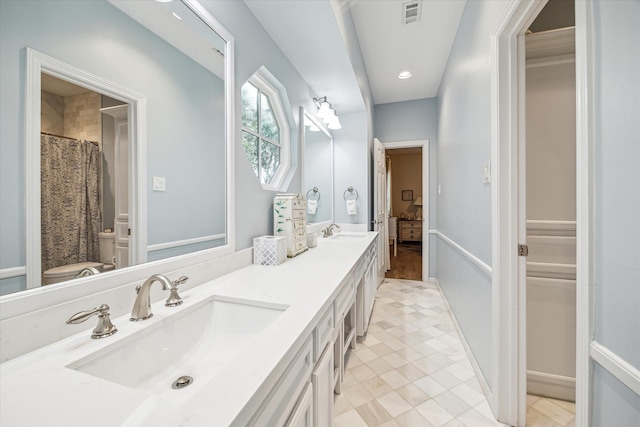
[[104, 328], [174, 299], [180, 281]]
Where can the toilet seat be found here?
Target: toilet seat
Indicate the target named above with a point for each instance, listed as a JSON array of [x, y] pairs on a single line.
[[67, 272]]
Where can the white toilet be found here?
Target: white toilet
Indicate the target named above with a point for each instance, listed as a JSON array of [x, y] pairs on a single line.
[[108, 250], [68, 272]]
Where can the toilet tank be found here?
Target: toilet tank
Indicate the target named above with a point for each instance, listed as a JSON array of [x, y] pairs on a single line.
[[107, 247]]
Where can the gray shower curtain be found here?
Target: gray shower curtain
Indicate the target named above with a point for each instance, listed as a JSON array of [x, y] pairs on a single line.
[[70, 201]]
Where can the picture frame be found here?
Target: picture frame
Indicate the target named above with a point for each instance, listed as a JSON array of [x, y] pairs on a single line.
[[407, 195]]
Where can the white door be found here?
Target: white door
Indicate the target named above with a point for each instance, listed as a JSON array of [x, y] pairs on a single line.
[[380, 207], [121, 172]]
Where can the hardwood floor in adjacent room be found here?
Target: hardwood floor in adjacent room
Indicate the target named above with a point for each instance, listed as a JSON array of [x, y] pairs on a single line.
[[408, 263]]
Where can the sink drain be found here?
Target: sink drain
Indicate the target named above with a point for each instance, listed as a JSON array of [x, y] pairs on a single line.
[[182, 382]]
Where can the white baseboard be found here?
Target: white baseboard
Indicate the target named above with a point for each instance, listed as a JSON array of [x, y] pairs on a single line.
[[550, 385]]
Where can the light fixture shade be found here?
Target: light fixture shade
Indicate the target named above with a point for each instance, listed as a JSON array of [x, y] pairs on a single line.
[[418, 201], [334, 124], [325, 109], [329, 116]]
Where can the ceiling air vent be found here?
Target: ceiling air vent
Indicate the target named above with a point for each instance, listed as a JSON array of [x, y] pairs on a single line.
[[411, 11]]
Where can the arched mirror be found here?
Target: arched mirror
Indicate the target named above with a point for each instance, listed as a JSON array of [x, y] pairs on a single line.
[[317, 172], [134, 101]]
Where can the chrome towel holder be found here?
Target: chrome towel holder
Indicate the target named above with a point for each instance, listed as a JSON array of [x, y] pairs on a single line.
[[351, 191], [313, 191]]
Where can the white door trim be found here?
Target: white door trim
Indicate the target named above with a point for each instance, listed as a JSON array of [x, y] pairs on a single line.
[[508, 310], [585, 189], [37, 63], [424, 144]]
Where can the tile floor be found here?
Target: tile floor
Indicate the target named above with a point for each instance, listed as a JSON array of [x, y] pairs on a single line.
[[411, 370]]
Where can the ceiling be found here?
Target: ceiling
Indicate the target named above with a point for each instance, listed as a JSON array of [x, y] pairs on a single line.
[[308, 34], [390, 46]]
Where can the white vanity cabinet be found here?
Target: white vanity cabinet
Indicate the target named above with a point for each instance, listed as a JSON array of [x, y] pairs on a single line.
[[366, 289], [302, 415], [345, 333], [322, 380], [303, 396], [282, 401]]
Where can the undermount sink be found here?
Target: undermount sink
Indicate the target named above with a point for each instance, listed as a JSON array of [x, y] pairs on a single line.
[[198, 342]]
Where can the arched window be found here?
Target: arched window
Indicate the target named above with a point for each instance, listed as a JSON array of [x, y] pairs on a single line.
[[265, 131]]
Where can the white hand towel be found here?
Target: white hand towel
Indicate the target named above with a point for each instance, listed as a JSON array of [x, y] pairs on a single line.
[[352, 207], [312, 206]]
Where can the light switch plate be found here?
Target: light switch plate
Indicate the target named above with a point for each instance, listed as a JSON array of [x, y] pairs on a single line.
[[486, 172], [158, 183]]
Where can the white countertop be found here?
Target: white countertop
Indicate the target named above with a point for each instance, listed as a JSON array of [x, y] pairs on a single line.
[[37, 389]]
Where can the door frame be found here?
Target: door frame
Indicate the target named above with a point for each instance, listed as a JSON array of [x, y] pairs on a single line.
[[508, 301], [426, 232], [36, 64]]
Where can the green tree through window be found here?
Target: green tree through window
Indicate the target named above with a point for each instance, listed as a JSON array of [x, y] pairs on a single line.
[[261, 131]]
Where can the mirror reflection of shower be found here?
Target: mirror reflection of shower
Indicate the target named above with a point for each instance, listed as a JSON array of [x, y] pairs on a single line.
[[84, 151]]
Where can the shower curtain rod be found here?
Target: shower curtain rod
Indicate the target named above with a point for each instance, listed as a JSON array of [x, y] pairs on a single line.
[[67, 137]]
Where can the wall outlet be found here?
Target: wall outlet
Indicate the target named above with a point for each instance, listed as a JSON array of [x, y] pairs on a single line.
[[158, 183]]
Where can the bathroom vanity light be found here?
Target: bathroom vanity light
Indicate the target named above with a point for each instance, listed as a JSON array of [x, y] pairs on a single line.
[[327, 113]]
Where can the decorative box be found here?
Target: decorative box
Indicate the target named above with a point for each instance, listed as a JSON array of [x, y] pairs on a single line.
[[290, 221], [269, 250]]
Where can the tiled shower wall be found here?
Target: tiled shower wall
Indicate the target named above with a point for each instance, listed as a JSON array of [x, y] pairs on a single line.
[[75, 116], [52, 113]]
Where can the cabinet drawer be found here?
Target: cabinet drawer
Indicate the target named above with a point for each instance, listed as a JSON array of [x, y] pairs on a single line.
[[322, 333], [284, 395], [300, 244], [298, 214], [344, 300], [299, 233], [298, 203], [300, 224]]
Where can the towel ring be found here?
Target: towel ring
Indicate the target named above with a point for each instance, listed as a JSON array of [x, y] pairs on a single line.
[[315, 191], [350, 190]]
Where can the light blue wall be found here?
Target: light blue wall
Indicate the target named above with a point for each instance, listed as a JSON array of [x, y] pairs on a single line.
[[613, 403], [255, 48], [365, 134], [185, 128], [464, 206], [407, 121], [351, 160], [617, 208], [318, 166]]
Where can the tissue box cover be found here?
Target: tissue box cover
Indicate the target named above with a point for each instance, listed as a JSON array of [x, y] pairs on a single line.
[[269, 250]]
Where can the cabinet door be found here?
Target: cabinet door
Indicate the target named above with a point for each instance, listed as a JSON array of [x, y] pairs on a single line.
[[322, 380], [302, 414]]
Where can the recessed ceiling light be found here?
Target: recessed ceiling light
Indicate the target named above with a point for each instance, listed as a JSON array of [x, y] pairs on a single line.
[[164, 1], [404, 75]]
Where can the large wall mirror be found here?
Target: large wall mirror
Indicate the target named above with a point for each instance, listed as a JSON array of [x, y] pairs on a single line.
[[115, 137], [317, 180]]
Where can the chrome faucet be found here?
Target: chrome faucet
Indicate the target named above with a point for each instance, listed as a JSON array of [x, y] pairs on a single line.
[[142, 305], [87, 271], [327, 232]]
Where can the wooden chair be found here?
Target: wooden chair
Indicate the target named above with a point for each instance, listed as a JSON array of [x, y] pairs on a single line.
[[393, 234]]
